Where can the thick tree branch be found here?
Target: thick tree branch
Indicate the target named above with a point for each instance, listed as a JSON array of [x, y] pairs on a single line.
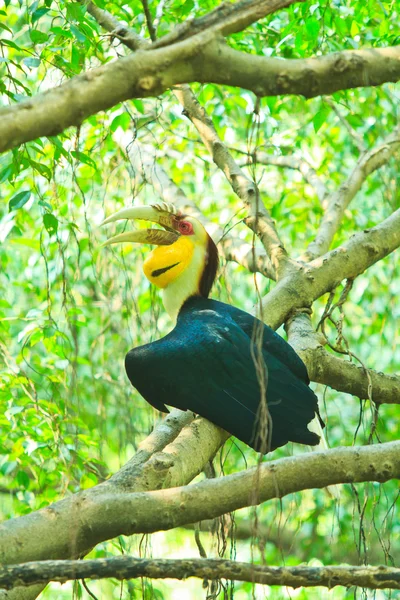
[[301, 288], [69, 527], [309, 77], [127, 567], [173, 454], [337, 203], [199, 58], [339, 374]]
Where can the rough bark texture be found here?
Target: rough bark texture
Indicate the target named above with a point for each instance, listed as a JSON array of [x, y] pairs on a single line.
[[301, 288], [199, 58], [126, 567], [159, 462], [339, 373], [72, 526]]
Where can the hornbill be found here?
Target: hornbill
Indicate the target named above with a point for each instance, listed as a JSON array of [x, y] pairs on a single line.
[[218, 361]]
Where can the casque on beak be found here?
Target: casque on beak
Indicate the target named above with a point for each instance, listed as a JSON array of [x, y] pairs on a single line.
[[163, 214]]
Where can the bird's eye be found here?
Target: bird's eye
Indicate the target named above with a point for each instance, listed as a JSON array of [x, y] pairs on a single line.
[[185, 228]]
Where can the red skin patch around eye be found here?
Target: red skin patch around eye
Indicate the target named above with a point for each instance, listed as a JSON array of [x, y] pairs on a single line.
[[185, 228]]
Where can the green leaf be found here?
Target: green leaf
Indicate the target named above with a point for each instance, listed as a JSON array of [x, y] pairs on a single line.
[[23, 479], [51, 224], [6, 173], [34, 244], [74, 11], [320, 118], [312, 27], [2, 26], [84, 158], [63, 32], [39, 13], [42, 169], [19, 200], [354, 29], [78, 34], [122, 121], [38, 37], [31, 62], [34, 6], [45, 204]]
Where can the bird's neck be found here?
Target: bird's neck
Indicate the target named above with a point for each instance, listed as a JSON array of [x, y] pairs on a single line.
[[186, 285]]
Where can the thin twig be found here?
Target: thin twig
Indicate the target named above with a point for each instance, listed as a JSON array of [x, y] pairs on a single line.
[[149, 20], [358, 140], [292, 162]]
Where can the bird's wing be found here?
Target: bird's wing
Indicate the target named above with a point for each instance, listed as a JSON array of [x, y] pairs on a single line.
[[271, 341], [206, 365]]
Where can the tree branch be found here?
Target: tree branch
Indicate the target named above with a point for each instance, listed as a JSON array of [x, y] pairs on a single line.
[[164, 458], [149, 20], [199, 58], [127, 567], [339, 374], [226, 19], [300, 288], [124, 33], [337, 203], [69, 527]]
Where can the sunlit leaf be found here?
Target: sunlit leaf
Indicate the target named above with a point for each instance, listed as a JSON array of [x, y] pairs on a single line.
[[51, 223], [19, 200]]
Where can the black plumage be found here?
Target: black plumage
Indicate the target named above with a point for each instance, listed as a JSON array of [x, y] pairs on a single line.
[[207, 365]]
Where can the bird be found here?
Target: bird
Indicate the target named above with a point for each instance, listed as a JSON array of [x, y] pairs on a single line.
[[218, 361]]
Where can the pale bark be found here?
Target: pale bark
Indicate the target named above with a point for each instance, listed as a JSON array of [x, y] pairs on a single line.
[[226, 19], [336, 203], [301, 288], [259, 220], [71, 526], [173, 454], [339, 373], [199, 58]]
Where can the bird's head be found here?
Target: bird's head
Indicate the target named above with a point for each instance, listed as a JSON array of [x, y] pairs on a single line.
[[185, 261]]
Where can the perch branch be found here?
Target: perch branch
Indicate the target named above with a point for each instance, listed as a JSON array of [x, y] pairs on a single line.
[[70, 526]]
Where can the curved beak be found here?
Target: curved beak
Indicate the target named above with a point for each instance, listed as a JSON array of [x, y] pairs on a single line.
[[163, 214]]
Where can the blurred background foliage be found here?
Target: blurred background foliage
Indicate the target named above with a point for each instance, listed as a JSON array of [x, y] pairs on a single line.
[[70, 310]]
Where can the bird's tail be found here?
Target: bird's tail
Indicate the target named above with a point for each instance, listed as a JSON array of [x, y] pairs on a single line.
[[316, 427]]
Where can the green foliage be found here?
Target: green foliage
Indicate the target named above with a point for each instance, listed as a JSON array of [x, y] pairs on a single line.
[[69, 310]]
